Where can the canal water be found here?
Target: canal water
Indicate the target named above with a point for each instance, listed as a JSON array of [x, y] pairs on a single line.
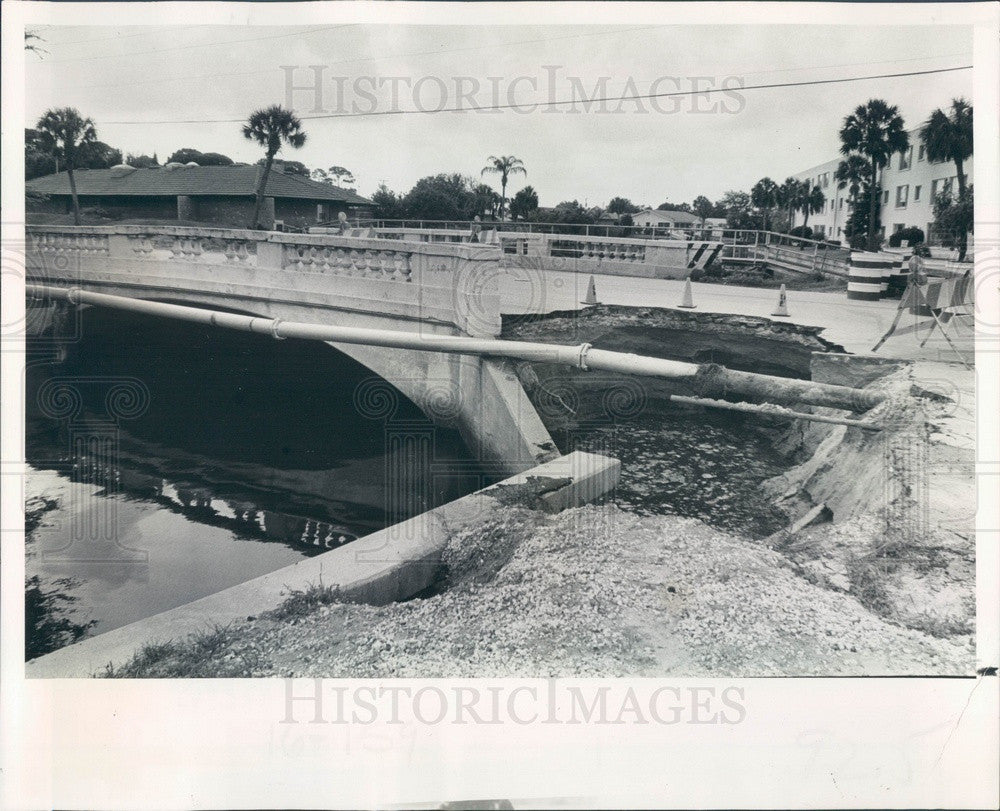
[[167, 461]]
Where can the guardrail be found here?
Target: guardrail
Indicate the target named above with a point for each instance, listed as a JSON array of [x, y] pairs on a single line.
[[796, 254]]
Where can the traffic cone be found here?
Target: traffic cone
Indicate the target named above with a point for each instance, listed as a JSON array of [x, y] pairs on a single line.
[[688, 300], [782, 304], [591, 298]]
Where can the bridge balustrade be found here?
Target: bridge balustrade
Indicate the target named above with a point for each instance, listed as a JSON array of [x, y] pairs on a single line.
[[427, 281]]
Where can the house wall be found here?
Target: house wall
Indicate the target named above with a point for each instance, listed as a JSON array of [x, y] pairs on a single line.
[[302, 213], [908, 186], [124, 207], [235, 212]]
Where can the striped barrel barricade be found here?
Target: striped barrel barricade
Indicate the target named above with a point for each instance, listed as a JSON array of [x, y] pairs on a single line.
[[865, 275], [900, 274], [884, 282]]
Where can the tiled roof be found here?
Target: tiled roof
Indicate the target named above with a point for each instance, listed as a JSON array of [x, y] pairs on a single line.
[[670, 216], [194, 181]]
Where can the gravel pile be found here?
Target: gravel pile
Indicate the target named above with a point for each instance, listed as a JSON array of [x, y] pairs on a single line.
[[534, 595]]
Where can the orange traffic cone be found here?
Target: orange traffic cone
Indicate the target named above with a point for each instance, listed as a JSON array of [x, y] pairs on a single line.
[[782, 304], [688, 300], [591, 298]]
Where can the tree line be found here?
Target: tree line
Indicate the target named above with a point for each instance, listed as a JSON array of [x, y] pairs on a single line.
[[870, 136]]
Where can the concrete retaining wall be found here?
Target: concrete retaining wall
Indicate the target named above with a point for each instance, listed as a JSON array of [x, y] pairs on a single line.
[[380, 568]]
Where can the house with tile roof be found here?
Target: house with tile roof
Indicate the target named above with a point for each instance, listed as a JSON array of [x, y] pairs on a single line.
[[655, 218], [215, 195]]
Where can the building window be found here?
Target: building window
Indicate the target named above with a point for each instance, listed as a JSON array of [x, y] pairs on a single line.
[[916, 194], [885, 197], [841, 203], [934, 190], [902, 194], [906, 159], [826, 179], [921, 152], [947, 185]]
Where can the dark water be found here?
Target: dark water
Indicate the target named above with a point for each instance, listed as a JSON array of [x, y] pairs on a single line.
[[167, 461], [706, 465]]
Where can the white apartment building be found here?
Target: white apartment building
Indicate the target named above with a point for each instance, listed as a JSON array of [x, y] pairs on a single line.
[[909, 184]]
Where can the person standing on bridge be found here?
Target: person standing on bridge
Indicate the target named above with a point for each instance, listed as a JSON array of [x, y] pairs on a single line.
[[342, 222], [477, 229]]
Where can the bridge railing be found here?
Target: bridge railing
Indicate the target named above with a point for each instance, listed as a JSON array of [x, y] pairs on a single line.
[[431, 282], [566, 246], [602, 230], [786, 252]]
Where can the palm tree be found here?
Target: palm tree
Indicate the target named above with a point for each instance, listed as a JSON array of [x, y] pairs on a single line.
[[765, 195], [949, 137], [791, 197], [64, 132], [271, 128], [812, 203], [505, 166], [853, 174], [874, 131]]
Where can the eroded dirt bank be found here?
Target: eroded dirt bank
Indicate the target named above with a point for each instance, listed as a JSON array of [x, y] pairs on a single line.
[[879, 581], [534, 595]]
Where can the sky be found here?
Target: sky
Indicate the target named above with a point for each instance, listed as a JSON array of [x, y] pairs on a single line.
[[157, 89]]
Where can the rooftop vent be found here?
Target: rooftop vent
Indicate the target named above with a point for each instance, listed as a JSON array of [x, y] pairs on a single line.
[[121, 170], [172, 166], [189, 164]]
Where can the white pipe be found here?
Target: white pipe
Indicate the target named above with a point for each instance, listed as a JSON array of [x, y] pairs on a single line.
[[581, 356]]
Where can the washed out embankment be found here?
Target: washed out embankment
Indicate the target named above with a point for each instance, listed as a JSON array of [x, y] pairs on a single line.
[[885, 516], [766, 547]]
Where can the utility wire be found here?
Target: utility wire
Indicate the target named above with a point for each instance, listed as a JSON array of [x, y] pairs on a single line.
[[554, 103], [600, 33], [733, 72], [156, 30], [307, 32]]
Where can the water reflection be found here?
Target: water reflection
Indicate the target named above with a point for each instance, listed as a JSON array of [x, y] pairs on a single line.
[[247, 455]]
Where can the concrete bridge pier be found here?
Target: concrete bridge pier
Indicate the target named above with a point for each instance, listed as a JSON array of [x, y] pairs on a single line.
[[480, 397]]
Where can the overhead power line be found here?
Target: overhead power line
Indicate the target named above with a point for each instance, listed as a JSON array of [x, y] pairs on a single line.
[[306, 32], [153, 30], [731, 72], [439, 52], [575, 100]]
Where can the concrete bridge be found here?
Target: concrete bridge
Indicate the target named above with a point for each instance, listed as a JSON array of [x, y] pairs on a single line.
[[438, 289]]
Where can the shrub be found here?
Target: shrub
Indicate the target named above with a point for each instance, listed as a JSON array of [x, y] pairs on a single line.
[[913, 235], [859, 242], [803, 231]]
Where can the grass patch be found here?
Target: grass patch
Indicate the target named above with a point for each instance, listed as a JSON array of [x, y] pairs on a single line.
[[184, 658], [301, 602]]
